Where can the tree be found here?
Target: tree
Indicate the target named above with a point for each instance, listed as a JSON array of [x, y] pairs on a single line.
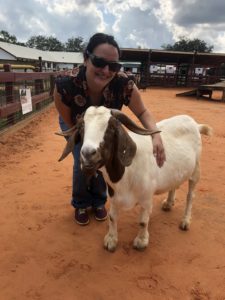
[[6, 37], [75, 44], [21, 44], [45, 43], [187, 45]]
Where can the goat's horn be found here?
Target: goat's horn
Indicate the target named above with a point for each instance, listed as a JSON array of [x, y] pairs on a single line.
[[68, 132], [126, 121]]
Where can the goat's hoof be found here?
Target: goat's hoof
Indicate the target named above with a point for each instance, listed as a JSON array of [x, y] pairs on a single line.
[[184, 225], [166, 206], [140, 243], [110, 243]]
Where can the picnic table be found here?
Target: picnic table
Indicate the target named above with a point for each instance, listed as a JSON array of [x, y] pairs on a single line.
[[206, 90], [209, 88]]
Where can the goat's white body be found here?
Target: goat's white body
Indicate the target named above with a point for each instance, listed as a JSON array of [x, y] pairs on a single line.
[[181, 137], [143, 178]]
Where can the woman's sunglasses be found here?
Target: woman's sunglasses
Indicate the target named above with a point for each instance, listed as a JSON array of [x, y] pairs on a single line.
[[100, 62]]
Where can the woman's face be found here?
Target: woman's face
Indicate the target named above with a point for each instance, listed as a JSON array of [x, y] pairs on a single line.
[[98, 77]]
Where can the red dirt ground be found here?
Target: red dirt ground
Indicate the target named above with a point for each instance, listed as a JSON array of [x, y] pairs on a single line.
[[45, 255]]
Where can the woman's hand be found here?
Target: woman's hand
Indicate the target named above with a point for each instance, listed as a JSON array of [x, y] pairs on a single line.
[[158, 149]]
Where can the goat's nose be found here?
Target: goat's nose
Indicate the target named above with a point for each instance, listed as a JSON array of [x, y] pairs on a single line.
[[88, 152]]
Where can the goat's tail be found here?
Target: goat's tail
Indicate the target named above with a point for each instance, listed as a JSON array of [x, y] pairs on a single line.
[[205, 129]]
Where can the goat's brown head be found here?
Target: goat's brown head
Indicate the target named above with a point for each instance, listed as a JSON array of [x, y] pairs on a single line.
[[104, 141]]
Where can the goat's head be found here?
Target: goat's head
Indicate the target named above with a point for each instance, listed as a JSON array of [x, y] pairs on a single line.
[[104, 141]]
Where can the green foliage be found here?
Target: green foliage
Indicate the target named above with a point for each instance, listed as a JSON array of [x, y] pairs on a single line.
[[53, 44], [45, 43], [187, 45], [6, 37], [75, 44]]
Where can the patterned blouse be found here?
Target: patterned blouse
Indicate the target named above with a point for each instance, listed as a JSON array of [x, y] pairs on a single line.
[[74, 92]]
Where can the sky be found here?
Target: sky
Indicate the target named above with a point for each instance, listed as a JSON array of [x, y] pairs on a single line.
[[134, 23]]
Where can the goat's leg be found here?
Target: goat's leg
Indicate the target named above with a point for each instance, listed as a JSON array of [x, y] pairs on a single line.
[[186, 221], [142, 239], [111, 238], [169, 202]]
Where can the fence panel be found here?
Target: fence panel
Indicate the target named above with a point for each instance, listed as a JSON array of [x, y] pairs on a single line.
[[41, 85]]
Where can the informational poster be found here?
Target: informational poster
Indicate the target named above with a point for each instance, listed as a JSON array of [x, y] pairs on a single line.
[[25, 99]]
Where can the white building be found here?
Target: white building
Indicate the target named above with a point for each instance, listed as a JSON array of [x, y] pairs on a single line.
[[51, 60]]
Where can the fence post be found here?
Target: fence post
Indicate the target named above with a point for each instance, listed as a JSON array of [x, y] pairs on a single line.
[[9, 94], [52, 85], [38, 84]]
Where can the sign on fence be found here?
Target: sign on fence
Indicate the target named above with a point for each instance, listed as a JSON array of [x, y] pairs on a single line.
[[25, 100]]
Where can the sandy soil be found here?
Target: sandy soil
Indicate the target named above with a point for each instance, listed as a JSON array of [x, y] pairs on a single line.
[[45, 255]]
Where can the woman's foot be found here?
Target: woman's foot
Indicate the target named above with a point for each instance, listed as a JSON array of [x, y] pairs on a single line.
[[81, 216], [100, 213]]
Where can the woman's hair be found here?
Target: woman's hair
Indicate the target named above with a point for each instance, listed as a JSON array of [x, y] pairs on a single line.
[[98, 39]]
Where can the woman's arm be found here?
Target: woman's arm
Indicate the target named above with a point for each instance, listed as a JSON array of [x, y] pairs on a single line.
[[64, 111], [137, 106]]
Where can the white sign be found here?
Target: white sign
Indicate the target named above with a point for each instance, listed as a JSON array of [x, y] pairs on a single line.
[[153, 69], [170, 69], [198, 71], [25, 100]]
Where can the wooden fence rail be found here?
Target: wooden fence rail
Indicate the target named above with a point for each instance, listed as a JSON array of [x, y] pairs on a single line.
[[41, 85]]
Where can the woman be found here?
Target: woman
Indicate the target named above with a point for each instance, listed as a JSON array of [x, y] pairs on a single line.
[[98, 82]]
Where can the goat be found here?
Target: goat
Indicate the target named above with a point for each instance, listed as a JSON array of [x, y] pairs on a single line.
[[129, 167]]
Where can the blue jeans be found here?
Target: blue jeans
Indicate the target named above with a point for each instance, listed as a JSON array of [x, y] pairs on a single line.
[[85, 194]]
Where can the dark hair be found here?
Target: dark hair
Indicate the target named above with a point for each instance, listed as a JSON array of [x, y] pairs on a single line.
[[98, 39]]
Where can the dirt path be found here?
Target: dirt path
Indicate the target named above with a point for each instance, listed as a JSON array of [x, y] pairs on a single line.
[[45, 255]]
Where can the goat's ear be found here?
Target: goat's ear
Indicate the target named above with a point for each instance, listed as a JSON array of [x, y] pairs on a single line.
[[126, 147], [71, 141]]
